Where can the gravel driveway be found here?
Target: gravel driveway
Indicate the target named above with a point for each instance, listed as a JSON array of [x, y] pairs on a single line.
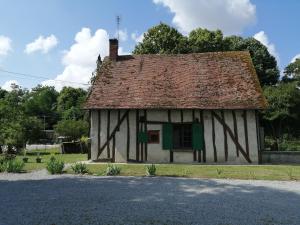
[[42, 199]]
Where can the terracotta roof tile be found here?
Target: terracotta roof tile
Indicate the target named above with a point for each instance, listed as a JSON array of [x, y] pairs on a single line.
[[219, 80]]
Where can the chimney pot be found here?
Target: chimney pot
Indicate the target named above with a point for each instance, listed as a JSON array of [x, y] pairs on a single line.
[[113, 49]]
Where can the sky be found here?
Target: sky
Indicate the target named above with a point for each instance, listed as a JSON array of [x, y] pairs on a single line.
[[56, 42]]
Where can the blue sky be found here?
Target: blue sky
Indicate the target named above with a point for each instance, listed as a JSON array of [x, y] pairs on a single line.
[[52, 25]]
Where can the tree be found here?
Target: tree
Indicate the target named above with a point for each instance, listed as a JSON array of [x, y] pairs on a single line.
[[42, 102], [2, 93], [70, 102], [283, 109], [265, 64], [162, 39], [72, 129], [292, 71], [16, 128], [203, 40]]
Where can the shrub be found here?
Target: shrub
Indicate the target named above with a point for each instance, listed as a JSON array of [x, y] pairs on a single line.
[[151, 170], [219, 171], [79, 168], [14, 166], [3, 164], [112, 170], [55, 166]]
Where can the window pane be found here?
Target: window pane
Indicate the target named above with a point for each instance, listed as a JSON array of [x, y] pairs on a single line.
[[182, 136]]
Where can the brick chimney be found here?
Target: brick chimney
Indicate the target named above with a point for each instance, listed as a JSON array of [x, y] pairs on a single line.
[[113, 49]]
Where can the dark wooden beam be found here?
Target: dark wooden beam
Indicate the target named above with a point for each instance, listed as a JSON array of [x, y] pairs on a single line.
[[137, 154], [171, 150], [114, 149], [181, 116], [194, 152], [204, 148], [258, 137], [214, 136], [107, 133], [99, 129], [235, 131], [119, 117], [242, 151], [246, 131], [128, 136], [146, 130], [225, 138]]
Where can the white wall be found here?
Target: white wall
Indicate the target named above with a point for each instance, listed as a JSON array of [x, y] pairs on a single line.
[[155, 152]]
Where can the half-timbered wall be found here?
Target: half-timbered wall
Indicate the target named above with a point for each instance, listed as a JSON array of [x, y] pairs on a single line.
[[230, 136]]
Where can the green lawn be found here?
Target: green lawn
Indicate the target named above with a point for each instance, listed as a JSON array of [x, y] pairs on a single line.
[[259, 172], [46, 155]]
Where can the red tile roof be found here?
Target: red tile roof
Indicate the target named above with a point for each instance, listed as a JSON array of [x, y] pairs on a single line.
[[218, 80]]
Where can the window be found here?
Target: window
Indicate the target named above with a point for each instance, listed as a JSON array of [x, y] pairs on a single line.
[[153, 136], [182, 136]]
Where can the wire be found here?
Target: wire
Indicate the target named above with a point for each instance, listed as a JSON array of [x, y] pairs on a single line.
[[39, 77]]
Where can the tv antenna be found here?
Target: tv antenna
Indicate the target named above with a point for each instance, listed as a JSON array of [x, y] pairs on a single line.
[[118, 20]]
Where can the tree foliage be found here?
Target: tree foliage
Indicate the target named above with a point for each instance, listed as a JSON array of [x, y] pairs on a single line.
[[72, 129], [283, 111], [70, 102], [41, 102], [163, 39], [292, 71]]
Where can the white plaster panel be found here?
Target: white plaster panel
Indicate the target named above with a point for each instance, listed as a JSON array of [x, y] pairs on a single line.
[[208, 136], [121, 140], [93, 134], [219, 132]]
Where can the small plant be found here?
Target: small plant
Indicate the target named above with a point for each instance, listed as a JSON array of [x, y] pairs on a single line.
[[38, 158], [25, 159], [219, 171], [112, 170], [150, 170], [55, 166], [80, 168], [14, 166]]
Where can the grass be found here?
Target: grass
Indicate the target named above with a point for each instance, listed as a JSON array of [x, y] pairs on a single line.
[[255, 172], [31, 165]]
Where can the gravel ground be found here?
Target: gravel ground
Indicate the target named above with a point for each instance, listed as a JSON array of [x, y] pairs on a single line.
[[38, 198]]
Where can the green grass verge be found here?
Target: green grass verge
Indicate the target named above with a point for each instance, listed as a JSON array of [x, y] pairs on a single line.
[[46, 155], [259, 172]]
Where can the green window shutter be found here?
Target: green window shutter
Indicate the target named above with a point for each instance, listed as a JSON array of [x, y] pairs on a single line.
[[142, 137], [198, 136], [167, 136]]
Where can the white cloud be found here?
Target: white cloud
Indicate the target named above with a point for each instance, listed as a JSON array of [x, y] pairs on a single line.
[[43, 44], [136, 37], [8, 85], [123, 36], [5, 45], [231, 16], [295, 57], [263, 38], [80, 59]]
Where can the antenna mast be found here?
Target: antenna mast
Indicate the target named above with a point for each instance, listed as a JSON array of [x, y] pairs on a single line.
[[118, 19]]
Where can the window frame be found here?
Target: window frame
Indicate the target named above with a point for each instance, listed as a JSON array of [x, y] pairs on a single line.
[[151, 132], [182, 146]]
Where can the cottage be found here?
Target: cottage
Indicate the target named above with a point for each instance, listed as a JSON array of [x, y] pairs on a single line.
[[185, 108]]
